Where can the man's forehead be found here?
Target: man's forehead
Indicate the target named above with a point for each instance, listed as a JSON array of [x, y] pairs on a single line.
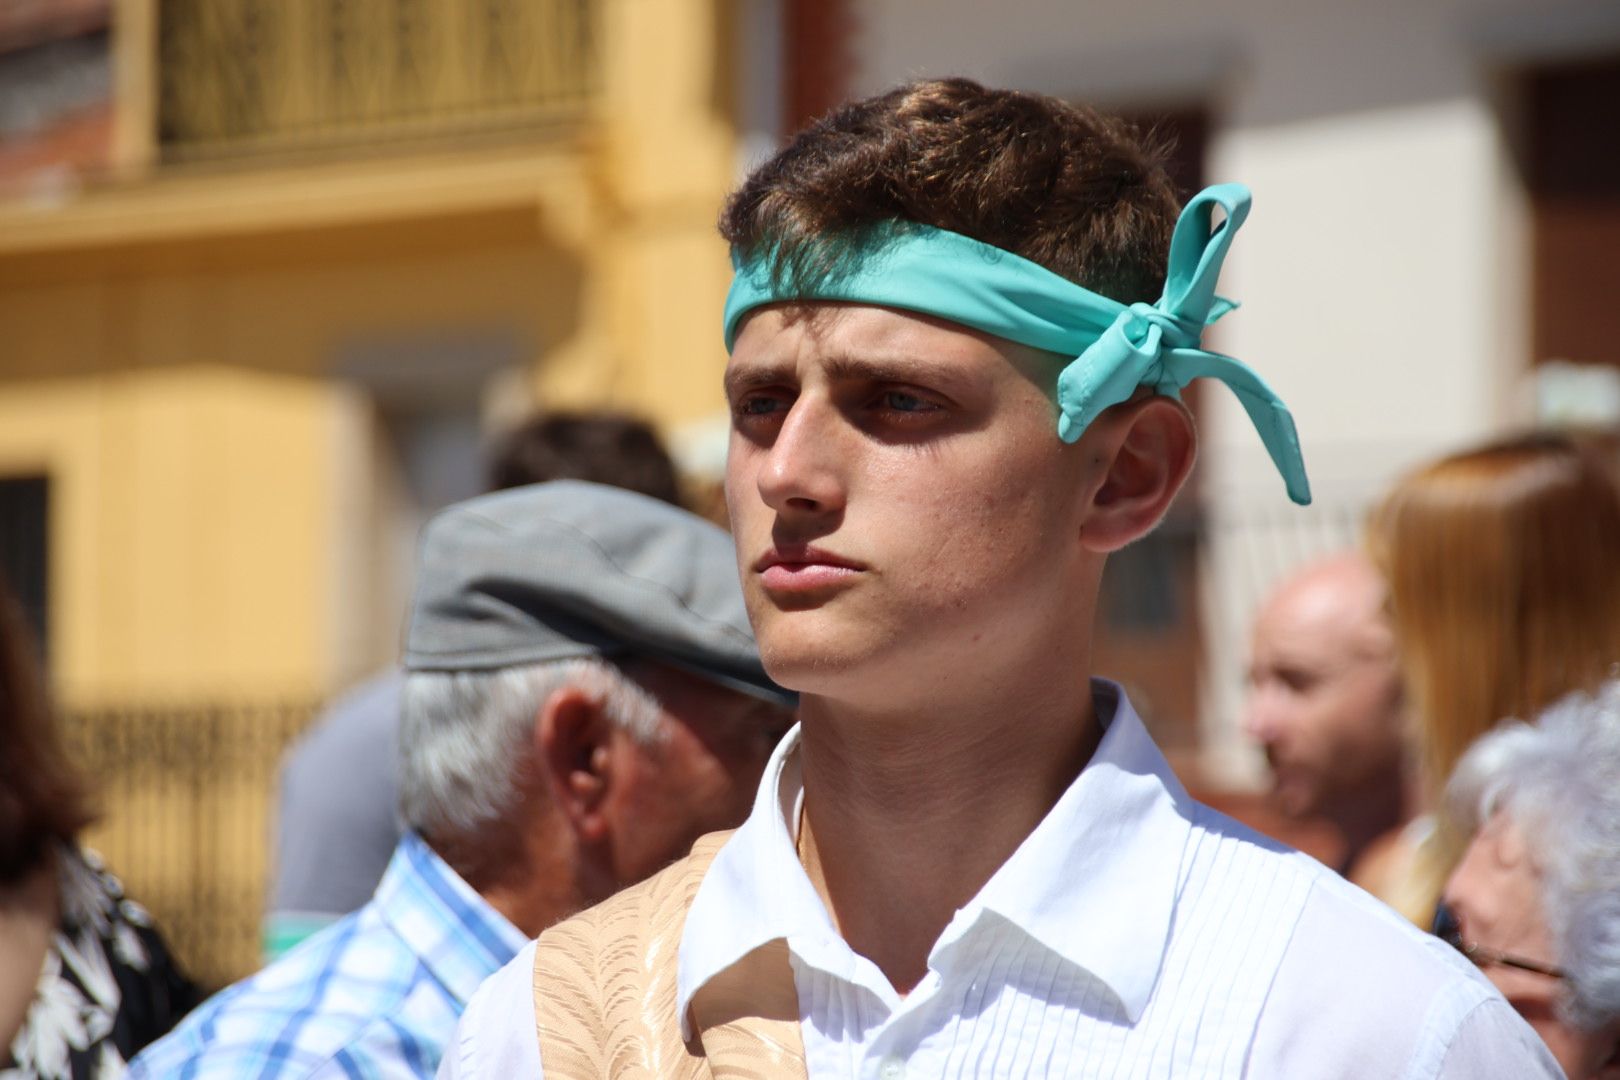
[[1344, 587], [862, 341], [1320, 617]]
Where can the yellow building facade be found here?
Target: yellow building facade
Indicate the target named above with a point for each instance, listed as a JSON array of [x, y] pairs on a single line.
[[195, 350], [336, 246]]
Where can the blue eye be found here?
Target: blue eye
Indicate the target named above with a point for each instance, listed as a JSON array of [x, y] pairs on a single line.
[[756, 406], [900, 401]]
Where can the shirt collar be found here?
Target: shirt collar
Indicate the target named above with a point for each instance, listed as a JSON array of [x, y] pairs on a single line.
[[1095, 883], [453, 931]]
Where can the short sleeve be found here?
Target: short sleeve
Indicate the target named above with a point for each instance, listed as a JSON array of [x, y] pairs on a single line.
[[496, 1036]]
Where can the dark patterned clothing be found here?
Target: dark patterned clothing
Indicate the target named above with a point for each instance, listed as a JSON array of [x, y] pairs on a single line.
[[107, 988]]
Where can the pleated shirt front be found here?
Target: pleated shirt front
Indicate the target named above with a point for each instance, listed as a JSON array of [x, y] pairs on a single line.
[[1134, 933]]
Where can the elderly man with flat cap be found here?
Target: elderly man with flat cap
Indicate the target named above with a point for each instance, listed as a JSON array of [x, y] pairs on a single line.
[[583, 698]]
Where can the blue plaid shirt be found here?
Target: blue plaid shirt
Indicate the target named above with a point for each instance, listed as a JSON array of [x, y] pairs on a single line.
[[375, 994]]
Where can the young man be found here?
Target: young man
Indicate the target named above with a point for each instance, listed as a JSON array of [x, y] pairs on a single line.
[[970, 859]]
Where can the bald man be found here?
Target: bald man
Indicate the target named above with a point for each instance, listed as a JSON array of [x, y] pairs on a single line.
[[1325, 702]]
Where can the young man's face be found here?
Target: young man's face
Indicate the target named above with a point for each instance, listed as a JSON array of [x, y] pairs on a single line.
[[905, 514]]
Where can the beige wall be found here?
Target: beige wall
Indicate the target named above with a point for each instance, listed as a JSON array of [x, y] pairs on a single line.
[[181, 504], [174, 348]]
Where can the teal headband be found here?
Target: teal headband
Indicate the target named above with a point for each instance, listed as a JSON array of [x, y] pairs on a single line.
[[1117, 347]]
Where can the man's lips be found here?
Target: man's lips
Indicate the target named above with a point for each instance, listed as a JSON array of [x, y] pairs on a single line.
[[803, 569]]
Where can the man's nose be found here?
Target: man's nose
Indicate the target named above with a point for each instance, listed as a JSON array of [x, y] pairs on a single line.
[[802, 472]]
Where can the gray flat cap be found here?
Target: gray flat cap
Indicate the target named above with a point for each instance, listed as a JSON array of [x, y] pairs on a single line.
[[569, 569]]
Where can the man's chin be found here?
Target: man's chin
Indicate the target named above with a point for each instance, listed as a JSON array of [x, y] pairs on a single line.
[[807, 672], [811, 659], [1296, 800]]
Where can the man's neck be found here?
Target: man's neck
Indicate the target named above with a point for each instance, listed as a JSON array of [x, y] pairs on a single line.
[[526, 876], [906, 817]]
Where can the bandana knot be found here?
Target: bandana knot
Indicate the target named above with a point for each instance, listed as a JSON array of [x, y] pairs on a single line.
[[1142, 321], [1146, 345]]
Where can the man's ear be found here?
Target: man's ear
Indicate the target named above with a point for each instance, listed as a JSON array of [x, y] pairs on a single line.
[[1145, 448], [574, 739]]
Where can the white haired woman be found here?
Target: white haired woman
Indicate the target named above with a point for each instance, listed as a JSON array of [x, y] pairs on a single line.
[[1536, 898]]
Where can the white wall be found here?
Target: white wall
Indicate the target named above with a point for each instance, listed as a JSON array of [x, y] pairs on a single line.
[[758, 63], [1383, 270]]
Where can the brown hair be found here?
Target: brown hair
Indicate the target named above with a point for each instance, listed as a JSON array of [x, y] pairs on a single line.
[[1063, 185], [1503, 565], [42, 800], [603, 448]]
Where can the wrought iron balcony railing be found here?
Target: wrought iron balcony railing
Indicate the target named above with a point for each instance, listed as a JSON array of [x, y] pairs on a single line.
[[240, 78]]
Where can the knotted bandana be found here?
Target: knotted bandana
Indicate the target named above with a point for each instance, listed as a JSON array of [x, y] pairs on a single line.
[[1117, 347]]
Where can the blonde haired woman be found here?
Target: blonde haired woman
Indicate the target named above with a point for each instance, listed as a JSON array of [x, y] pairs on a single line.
[[1503, 564]]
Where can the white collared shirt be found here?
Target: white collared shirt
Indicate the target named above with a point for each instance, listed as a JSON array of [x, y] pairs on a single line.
[[1134, 933]]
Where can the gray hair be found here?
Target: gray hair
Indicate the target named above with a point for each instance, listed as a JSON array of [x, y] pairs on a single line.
[[466, 736], [1559, 781]]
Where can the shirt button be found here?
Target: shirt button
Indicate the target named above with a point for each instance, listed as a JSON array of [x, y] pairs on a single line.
[[891, 1068]]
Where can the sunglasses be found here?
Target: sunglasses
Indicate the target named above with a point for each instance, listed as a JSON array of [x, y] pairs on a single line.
[[1449, 930]]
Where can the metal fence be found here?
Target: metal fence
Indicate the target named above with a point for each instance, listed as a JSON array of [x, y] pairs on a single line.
[[239, 78], [187, 795]]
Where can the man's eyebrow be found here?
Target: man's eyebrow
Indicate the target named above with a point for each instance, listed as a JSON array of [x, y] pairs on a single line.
[[741, 379], [896, 368], [880, 368]]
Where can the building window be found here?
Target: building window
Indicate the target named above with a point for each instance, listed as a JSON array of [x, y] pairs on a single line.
[[1572, 171], [24, 554]]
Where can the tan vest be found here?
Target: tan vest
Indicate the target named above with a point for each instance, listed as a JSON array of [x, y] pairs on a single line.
[[604, 993]]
